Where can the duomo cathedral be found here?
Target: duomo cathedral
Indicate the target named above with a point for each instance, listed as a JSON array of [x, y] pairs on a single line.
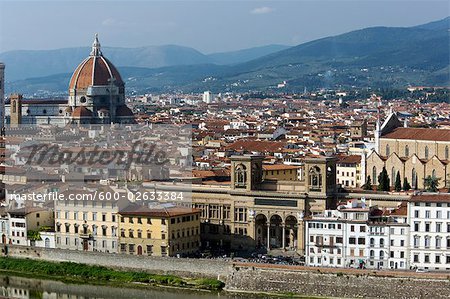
[[96, 96]]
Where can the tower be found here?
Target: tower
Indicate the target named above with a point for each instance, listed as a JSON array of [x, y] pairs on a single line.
[[15, 110], [246, 172], [2, 97], [321, 175]]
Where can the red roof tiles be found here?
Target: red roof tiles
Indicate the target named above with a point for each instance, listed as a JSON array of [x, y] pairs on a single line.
[[419, 134]]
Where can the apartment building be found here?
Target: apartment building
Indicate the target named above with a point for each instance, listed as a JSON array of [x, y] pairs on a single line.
[[429, 218], [159, 231], [348, 171], [357, 236], [90, 225], [26, 219], [337, 238]]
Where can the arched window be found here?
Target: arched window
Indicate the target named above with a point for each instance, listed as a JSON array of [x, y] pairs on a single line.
[[374, 175], [426, 152], [372, 242], [381, 242], [413, 178], [241, 175], [388, 150], [446, 153], [381, 254], [433, 173], [372, 254], [14, 107], [315, 177], [406, 151]]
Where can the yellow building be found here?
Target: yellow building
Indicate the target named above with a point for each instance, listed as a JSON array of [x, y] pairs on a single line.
[[165, 231], [280, 172]]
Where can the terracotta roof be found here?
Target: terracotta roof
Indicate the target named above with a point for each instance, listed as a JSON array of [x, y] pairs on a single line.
[[157, 212], [26, 210], [81, 111], [402, 210], [257, 145], [431, 198], [279, 167], [94, 70], [350, 159], [419, 134]]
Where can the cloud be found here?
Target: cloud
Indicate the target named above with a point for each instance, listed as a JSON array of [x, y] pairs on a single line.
[[261, 10], [109, 22]]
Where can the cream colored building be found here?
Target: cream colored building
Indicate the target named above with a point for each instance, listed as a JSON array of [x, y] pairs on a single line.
[[415, 153], [281, 172], [348, 171], [90, 225]]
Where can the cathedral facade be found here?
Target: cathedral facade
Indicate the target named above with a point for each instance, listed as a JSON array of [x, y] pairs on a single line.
[[96, 96], [415, 153]]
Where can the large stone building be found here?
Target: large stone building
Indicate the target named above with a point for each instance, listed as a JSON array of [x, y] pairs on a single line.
[[96, 96], [415, 153], [253, 212]]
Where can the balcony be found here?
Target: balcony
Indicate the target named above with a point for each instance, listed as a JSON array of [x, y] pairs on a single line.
[[85, 236]]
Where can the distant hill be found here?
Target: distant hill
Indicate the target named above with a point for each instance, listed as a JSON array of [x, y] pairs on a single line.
[[240, 56], [23, 64], [371, 57]]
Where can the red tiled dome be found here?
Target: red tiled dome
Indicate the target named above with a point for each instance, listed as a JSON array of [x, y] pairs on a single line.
[[94, 70]]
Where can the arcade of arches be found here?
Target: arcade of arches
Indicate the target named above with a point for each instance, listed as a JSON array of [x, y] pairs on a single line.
[[274, 232]]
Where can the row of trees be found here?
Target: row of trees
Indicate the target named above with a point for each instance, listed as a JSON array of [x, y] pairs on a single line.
[[430, 183]]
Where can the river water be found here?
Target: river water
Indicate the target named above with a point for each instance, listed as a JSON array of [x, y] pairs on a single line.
[[19, 287]]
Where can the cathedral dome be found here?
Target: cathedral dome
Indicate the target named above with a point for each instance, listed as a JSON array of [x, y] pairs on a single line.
[[95, 70]]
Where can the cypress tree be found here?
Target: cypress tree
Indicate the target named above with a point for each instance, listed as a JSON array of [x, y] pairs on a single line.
[[368, 184], [406, 185], [383, 180], [398, 183]]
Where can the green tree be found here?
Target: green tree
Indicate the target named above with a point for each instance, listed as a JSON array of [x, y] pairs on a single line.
[[368, 184], [431, 183], [33, 235], [383, 180], [398, 183], [406, 185]]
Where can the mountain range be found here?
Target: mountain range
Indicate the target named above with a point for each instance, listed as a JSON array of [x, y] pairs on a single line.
[[24, 64], [372, 57]]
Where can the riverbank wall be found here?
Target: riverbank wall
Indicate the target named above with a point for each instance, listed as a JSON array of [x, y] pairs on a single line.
[[263, 278], [184, 267], [337, 283]]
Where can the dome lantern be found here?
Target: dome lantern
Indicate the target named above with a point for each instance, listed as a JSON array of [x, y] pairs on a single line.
[[96, 47]]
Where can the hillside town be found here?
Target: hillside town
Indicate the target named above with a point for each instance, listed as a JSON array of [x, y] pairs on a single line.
[[315, 179]]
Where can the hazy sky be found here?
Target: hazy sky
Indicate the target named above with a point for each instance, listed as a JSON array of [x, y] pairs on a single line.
[[208, 26]]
